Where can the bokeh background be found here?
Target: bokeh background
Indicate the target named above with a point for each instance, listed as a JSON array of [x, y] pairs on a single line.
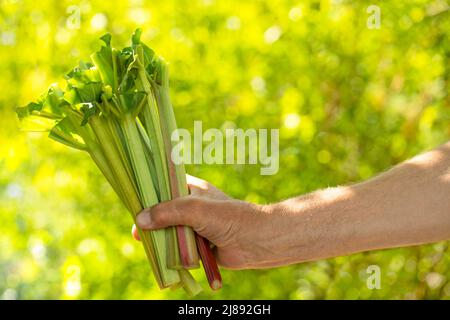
[[349, 101]]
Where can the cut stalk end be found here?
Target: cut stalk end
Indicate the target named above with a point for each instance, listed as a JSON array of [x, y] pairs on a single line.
[[191, 286], [216, 285]]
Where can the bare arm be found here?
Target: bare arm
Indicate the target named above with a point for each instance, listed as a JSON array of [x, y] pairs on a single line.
[[407, 205]]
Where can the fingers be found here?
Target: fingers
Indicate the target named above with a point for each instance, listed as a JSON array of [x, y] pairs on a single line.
[[182, 211], [210, 218], [204, 189], [196, 184], [135, 233]]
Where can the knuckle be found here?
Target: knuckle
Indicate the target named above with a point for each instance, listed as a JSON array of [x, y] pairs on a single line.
[[159, 213], [182, 211], [189, 210], [194, 205]]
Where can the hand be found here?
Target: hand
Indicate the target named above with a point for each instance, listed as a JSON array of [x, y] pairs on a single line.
[[239, 230]]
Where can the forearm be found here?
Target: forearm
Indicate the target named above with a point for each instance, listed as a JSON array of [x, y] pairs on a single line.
[[408, 205]]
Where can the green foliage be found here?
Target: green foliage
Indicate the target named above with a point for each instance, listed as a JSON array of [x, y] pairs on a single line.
[[349, 101]]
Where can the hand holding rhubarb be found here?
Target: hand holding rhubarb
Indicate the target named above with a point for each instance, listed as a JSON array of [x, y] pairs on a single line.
[[240, 231]]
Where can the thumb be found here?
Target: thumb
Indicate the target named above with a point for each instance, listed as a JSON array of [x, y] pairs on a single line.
[[203, 215]]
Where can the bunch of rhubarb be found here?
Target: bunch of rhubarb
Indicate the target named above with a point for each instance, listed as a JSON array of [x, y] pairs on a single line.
[[117, 108]]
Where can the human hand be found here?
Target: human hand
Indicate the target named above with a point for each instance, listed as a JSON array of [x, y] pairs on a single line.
[[239, 230]]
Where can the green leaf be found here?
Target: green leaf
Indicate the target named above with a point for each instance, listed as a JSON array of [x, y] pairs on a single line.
[[85, 73], [66, 133], [136, 37], [106, 38], [42, 114], [147, 55], [103, 60], [90, 93], [133, 102], [36, 123], [23, 112]]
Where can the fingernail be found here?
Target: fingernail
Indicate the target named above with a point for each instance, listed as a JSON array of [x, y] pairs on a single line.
[[135, 233], [143, 220]]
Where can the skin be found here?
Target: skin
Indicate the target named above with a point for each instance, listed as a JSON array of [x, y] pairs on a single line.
[[405, 206]]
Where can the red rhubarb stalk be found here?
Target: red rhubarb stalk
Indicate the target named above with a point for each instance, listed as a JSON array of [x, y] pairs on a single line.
[[209, 263]]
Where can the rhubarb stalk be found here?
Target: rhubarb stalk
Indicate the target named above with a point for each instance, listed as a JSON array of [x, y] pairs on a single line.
[[178, 182]]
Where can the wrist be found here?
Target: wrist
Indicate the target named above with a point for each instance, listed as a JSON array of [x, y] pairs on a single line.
[[288, 235], [317, 225]]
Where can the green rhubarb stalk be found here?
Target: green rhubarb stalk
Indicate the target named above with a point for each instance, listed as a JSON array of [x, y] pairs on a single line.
[[173, 254], [148, 195], [177, 174], [117, 135], [153, 131], [191, 287], [127, 190], [150, 120], [149, 156], [104, 135]]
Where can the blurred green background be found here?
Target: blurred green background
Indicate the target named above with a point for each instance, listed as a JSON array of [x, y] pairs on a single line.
[[349, 101]]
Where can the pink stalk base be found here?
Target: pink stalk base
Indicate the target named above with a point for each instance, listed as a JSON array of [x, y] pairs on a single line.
[[182, 245]]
